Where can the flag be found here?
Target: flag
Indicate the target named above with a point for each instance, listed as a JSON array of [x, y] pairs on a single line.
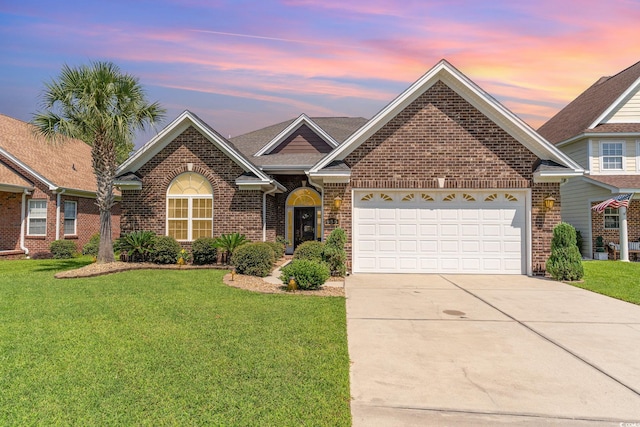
[[615, 202]]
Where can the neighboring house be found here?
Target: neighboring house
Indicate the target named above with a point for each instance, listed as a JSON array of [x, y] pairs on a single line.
[[444, 179], [600, 130], [47, 191]]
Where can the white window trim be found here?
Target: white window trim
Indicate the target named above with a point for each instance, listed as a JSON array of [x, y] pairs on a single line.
[[623, 155], [75, 218], [29, 217], [604, 221], [190, 218]]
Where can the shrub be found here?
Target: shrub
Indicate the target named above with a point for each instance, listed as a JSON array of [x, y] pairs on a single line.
[[165, 250], [92, 246], [579, 241], [254, 259], [308, 274], [310, 250], [204, 251], [334, 253], [565, 262], [63, 249], [138, 245], [229, 243], [278, 249]]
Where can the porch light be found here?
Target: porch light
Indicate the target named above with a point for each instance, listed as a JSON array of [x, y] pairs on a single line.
[[337, 202], [549, 202]]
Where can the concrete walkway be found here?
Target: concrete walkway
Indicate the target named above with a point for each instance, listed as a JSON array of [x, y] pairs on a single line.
[[489, 350]]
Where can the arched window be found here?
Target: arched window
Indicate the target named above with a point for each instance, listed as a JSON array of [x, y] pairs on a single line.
[[189, 207]]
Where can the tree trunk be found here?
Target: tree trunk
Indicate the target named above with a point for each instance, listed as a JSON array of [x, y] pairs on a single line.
[[104, 167]]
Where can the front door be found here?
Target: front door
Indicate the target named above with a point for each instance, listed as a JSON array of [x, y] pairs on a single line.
[[304, 221]]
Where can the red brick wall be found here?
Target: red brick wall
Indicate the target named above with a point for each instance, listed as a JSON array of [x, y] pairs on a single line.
[[233, 210], [613, 235], [442, 135], [10, 221]]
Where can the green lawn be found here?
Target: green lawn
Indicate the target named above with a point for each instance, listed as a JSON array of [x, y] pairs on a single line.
[[165, 348], [613, 278]]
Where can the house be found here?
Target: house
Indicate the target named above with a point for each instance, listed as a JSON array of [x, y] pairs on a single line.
[[444, 179], [47, 191], [600, 130]]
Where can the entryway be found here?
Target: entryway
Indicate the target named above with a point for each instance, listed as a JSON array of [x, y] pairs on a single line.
[[303, 217]]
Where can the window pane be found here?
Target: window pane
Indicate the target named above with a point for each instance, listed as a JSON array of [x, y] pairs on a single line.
[[612, 163], [178, 208], [178, 229], [202, 208], [37, 227], [38, 208], [70, 210], [69, 226], [612, 149], [201, 228]]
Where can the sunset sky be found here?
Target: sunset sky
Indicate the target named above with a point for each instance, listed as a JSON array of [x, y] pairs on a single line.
[[241, 65]]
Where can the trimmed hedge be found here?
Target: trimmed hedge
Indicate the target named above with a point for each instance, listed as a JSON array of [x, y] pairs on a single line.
[[278, 249], [334, 253], [63, 249], [165, 250], [308, 274], [204, 251], [565, 262], [310, 250], [253, 259]]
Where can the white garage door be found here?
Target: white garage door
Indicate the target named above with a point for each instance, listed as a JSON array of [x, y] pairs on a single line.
[[433, 231]]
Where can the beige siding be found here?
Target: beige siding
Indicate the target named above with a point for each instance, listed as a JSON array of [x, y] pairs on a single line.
[[630, 153], [578, 151], [575, 196], [629, 112]]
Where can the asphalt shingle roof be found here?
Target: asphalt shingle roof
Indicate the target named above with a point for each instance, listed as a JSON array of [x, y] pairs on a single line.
[[575, 118], [66, 163]]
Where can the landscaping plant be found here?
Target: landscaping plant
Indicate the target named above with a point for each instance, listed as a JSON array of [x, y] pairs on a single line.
[[310, 250], [565, 262], [308, 274], [334, 254], [138, 245], [204, 251], [91, 247], [253, 259], [63, 249], [229, 243], [166, 250], [278, 249]]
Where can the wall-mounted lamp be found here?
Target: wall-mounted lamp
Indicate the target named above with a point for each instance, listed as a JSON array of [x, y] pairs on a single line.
[[549, 202], [337, 202]]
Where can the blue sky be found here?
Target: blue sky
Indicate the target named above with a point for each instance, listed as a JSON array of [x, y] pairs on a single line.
[[241, 65]]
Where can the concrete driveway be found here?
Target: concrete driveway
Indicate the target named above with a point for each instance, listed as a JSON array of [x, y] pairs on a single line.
[[487, 350]]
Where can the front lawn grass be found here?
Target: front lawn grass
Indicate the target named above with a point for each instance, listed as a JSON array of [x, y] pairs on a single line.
[[616, 279], [163, 347]]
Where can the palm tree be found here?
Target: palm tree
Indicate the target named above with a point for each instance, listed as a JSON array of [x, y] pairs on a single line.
[[103, 107]]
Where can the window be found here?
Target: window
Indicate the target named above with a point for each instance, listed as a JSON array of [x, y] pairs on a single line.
[[611, 218], [189, 207], [612, 156], [70, 215], [37, 223]]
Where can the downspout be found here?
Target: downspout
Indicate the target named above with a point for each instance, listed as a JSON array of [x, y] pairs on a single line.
[[264, 211], [315, 184], [23, 217], [58, 213]]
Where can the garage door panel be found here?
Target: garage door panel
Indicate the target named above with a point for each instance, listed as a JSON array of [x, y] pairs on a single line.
[[472, 232]]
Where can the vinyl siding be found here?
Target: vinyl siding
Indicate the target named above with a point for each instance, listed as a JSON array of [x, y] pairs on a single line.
[[630, 153], [629, 112], [575, 196], [578, 151]]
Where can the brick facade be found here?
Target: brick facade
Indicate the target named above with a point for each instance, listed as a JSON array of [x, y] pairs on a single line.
[[442, 135], [233, 210], [613, 235]]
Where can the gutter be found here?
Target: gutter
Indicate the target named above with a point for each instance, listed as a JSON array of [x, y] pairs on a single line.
[[22, 222], [264, 211], [59, 193]]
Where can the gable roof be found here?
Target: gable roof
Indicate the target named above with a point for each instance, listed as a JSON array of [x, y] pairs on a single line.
[[587, 112], [175, 128], [12, 181], [302, 120], [62, 164], [463, 86]]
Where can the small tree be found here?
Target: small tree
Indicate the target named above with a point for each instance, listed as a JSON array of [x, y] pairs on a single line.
[[334, 254], [565, 262]]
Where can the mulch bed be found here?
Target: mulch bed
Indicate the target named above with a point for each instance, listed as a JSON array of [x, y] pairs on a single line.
[[335, 287]]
